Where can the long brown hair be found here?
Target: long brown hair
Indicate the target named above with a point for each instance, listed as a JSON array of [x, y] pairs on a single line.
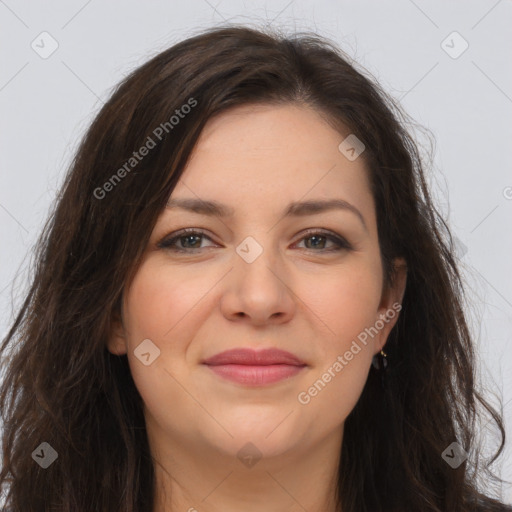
[[62, 386]]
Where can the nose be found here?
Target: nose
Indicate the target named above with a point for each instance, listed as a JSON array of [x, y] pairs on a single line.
[[258, 292]]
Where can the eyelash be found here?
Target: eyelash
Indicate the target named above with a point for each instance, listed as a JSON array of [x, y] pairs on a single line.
[[169, 243]]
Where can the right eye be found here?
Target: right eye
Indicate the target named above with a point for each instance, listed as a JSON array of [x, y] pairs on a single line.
[[187, 237]]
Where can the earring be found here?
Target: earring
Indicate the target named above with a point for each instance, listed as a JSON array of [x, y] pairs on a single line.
[[380, 361]]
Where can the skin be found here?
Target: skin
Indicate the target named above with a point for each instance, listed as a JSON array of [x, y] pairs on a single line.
[[296, 296]]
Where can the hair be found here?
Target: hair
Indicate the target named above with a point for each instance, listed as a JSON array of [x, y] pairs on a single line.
[[63, 387]]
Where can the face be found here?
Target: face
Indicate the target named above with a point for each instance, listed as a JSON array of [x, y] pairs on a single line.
[[254, 277]]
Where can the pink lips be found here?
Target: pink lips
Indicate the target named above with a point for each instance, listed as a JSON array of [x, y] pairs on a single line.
[[255, 368]]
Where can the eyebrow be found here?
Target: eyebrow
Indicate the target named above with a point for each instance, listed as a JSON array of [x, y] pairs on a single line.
[[294, 209]]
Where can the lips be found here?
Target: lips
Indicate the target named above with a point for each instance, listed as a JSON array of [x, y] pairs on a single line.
[[243, 356], [255, 368]]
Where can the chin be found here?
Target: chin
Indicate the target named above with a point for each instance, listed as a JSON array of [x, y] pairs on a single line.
[[258, 438], [251, 449]]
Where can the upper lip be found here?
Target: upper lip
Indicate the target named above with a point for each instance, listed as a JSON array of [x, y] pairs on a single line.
[[245, 356]]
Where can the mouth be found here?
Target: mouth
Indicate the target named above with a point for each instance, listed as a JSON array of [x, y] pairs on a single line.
[[255, 368]]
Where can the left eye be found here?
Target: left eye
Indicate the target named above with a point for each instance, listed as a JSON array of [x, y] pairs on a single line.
[[191, 238], [317, 238]]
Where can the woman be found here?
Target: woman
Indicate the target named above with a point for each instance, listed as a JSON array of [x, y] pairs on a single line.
[[244, 300]]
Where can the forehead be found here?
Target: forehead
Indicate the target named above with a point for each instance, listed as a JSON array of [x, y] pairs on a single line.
[[258, 155], [261, 128]]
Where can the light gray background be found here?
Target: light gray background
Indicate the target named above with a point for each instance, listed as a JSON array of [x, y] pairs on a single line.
[[465, 101]]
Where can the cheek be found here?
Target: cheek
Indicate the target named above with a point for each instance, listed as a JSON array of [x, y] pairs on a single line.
[[155, 308], [333, 393], [163, 306], [167, 306], [159, 302], [347, 302], [347, 306]]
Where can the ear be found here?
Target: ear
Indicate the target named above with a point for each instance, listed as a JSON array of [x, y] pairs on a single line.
[[116, 343], [391, 303]]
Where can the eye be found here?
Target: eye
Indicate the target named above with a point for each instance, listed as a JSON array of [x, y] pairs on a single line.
[[189, 240], [189, 236], [320, 237]]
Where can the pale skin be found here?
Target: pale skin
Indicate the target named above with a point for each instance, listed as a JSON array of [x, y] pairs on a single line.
[[298, 295]]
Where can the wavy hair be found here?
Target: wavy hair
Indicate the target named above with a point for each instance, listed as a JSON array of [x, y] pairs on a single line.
[[63, 387]]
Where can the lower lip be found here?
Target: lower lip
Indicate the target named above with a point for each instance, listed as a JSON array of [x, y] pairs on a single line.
[[256, 375]]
